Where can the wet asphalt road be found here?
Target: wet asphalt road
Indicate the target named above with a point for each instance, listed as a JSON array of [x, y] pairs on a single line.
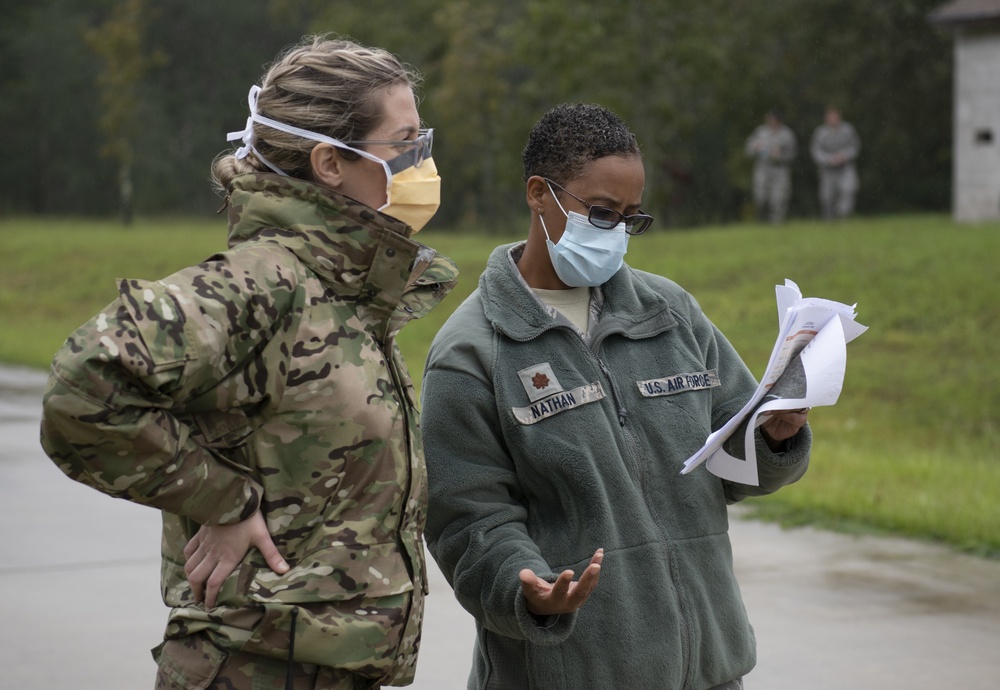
[[80, 606]]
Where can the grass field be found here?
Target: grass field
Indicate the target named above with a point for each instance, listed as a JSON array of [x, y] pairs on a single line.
[[912, 447]]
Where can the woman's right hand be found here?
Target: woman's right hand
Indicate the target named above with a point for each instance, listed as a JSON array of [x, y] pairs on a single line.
[[214, 552]]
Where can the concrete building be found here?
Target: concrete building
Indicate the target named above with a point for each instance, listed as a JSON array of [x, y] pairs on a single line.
[[976, 177]]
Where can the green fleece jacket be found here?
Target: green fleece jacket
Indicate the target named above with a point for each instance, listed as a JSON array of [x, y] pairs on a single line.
[[543, 446], [268, 377]]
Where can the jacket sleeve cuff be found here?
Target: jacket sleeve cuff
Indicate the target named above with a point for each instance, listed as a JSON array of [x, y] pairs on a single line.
[[793, 451], [549, 630]]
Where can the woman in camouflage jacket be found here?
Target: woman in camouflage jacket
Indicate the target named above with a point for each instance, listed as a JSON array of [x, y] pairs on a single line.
[[259, 399]]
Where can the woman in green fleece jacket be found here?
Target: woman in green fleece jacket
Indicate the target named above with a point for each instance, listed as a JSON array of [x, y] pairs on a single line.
[[560, 402]]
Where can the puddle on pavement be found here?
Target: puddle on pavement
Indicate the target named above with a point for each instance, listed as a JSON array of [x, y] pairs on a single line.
[[930, 583]]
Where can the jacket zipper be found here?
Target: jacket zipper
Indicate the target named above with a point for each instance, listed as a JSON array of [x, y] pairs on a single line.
[[289, 678], [419, 568], [631, 442], [634, 458]]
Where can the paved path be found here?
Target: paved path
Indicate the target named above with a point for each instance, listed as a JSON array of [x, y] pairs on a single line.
[[80, 606]]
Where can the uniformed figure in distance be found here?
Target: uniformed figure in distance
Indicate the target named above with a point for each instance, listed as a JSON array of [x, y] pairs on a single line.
[[560, 402], [834, 147], [773, 146], [259, 399]]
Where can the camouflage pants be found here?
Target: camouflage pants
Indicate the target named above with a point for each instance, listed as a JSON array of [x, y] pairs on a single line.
[[772, 189], [837, 188], [194, 663]]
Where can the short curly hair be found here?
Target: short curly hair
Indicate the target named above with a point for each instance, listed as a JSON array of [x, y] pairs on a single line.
[[571, 135]]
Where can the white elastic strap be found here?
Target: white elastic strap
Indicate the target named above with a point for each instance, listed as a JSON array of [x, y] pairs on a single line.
[[246, 136]]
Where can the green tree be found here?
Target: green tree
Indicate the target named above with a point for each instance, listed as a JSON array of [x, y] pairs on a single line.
[[475, 102], [48, 108], [691, 79], [119, 42], [648, 62], [213, 52]]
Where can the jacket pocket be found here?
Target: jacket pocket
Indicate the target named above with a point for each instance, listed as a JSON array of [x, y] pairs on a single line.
[[160, 321], [224, 431], [335, 573], [354, 604], [357, 610], [187, 663], [366, 636]]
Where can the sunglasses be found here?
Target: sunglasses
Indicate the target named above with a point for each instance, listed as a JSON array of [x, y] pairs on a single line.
[[607, 218]]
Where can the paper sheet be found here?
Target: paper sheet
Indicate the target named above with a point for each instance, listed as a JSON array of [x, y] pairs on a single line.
[[806, 369]]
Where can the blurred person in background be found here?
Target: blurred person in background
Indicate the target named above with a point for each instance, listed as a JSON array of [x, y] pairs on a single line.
[[773, 147], [834, 147]]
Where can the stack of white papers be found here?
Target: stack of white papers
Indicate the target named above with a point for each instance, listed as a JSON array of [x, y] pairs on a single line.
[[806, 369]]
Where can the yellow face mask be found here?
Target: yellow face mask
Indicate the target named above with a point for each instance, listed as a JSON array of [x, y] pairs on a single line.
[[412, 185], [414, 194]]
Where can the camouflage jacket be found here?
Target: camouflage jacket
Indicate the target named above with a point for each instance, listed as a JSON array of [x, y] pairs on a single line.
[[772, 147], [269, 376], [828, 141]]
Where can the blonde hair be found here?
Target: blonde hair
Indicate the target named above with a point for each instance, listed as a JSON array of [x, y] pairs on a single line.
[[327, 86]]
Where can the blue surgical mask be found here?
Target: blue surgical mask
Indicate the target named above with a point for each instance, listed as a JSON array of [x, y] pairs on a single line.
[[586, 256]]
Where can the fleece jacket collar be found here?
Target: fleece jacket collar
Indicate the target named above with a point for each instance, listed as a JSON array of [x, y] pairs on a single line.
[[631, 308]]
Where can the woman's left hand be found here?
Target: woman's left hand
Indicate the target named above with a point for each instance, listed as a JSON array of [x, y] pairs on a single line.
[[216, 550], [781, 425]]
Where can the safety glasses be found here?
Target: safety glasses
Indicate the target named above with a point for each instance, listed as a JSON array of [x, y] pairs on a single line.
[[412, 152]]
